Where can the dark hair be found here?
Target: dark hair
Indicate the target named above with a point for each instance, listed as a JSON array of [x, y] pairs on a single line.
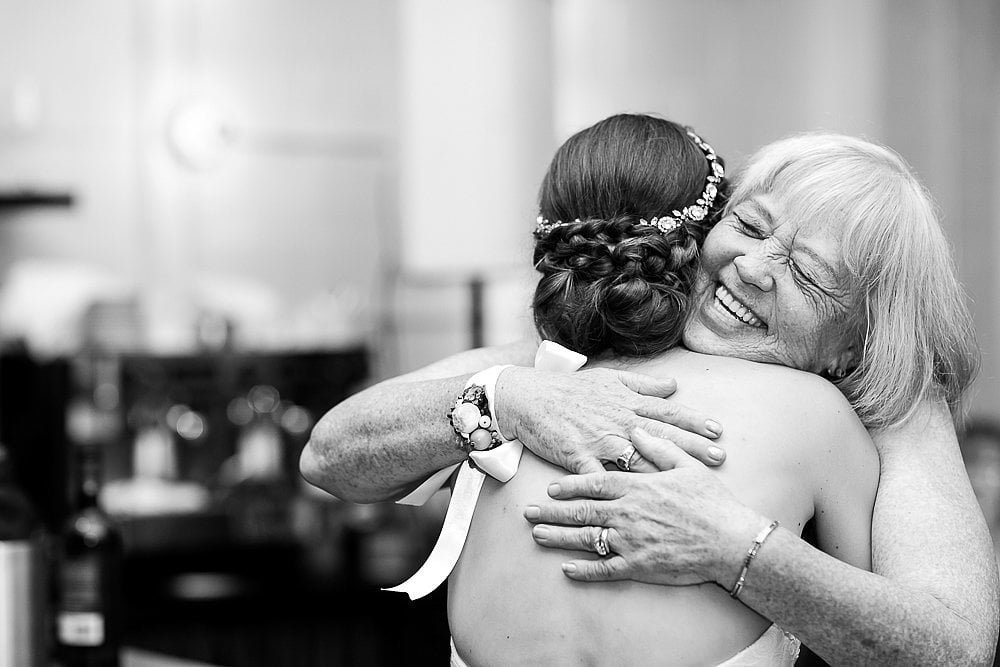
[[607, 283]]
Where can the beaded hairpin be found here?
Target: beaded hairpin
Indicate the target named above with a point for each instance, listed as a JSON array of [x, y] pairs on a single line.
[[667, 223]]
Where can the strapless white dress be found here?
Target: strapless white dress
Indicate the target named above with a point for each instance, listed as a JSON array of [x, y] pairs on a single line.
[[774, 648]]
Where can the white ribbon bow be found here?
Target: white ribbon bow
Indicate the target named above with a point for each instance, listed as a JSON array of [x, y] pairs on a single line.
[[500, 463]]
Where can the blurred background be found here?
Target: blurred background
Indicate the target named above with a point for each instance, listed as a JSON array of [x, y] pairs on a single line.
[[217, 219]]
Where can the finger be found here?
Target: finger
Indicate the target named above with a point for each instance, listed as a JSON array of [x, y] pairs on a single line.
[[707, 451], [636, 461], [569, 513], [614, 568], [681, 416], [618, 447], [648, 385], [640, 464], [588, 465], [599, 485], [662, 453], [583, 538]]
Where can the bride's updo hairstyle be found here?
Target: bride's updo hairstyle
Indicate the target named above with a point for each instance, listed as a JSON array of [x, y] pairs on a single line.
[[612, 280]]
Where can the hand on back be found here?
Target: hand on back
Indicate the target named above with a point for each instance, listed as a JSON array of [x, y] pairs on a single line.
[[583, 422], [661, 529]]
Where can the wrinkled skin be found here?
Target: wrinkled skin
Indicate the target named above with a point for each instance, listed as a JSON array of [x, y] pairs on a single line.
[[789, 275]]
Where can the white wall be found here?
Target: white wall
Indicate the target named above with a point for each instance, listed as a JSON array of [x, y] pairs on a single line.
[[476, 135], [742, 73], [297, 203], [75, 61]]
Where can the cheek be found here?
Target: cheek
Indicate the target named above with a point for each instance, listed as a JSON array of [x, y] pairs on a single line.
[[799, 328], [809, 338], [804, 325], [715, 252]]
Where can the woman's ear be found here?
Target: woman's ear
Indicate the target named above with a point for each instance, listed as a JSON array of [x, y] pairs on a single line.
[[843, 363]]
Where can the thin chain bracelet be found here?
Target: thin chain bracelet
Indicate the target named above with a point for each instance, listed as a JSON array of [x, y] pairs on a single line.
[[751, 554]]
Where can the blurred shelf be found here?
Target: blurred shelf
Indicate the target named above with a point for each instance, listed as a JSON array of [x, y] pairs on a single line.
[[18, 199]]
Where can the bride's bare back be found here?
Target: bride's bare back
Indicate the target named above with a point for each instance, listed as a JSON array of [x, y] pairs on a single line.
[[794, 449]]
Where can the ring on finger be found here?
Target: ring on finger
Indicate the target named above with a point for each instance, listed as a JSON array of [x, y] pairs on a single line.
[[601, 543], [624, 460]]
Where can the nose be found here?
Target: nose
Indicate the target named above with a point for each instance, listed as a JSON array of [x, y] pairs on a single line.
[[755, 270]]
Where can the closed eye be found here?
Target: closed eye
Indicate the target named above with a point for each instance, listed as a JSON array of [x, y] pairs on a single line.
[[808, 281], [802, 274], [748, 228]]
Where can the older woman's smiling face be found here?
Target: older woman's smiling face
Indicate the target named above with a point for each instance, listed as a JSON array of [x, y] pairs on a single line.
[[772, 289]]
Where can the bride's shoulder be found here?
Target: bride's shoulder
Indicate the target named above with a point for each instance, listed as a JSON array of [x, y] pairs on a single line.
[[741, 372], [768, 391]]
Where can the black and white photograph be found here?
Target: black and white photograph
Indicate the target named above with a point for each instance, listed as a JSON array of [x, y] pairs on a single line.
[[490, 333]]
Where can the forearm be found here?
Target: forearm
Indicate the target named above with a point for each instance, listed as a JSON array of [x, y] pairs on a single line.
[[381, 442], [934, 596], [849, 616]]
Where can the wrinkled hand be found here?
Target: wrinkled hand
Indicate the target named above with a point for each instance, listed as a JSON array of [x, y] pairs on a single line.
[[583, 420], [682, 526]]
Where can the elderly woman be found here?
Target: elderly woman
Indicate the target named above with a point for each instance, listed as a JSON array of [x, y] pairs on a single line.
[[771, 290]]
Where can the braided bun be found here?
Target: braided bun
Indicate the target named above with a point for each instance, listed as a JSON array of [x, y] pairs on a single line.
[[609, 283]]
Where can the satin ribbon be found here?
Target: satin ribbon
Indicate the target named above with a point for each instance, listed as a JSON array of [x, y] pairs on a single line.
[[500, 463]]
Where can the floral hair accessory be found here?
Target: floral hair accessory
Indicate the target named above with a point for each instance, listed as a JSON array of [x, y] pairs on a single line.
[[667, 223]]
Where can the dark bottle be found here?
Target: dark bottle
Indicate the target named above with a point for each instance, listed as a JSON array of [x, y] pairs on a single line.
[[88, 608], [18, 520]]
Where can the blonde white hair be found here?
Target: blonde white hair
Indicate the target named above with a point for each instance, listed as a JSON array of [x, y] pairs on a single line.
[[909, 314]]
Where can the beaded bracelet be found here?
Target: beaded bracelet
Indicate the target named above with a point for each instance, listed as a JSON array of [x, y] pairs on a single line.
[[472, 415], [751, 554]]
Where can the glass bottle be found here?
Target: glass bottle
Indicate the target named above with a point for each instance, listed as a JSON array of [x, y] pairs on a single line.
[[88, 606]]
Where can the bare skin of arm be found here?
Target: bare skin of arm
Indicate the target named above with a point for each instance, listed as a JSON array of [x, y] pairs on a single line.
[[932, 599], [380, 443], [933, 596]]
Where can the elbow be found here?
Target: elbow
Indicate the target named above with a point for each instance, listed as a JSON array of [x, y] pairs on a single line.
[[319, 465], [984, 656], [984, 649], [978, 650], [973, 648], [311, 467], [322, 465], [978, 645], [972, 641], [983, 642]]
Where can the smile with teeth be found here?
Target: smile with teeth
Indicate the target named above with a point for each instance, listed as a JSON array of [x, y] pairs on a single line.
[[735, 308]]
